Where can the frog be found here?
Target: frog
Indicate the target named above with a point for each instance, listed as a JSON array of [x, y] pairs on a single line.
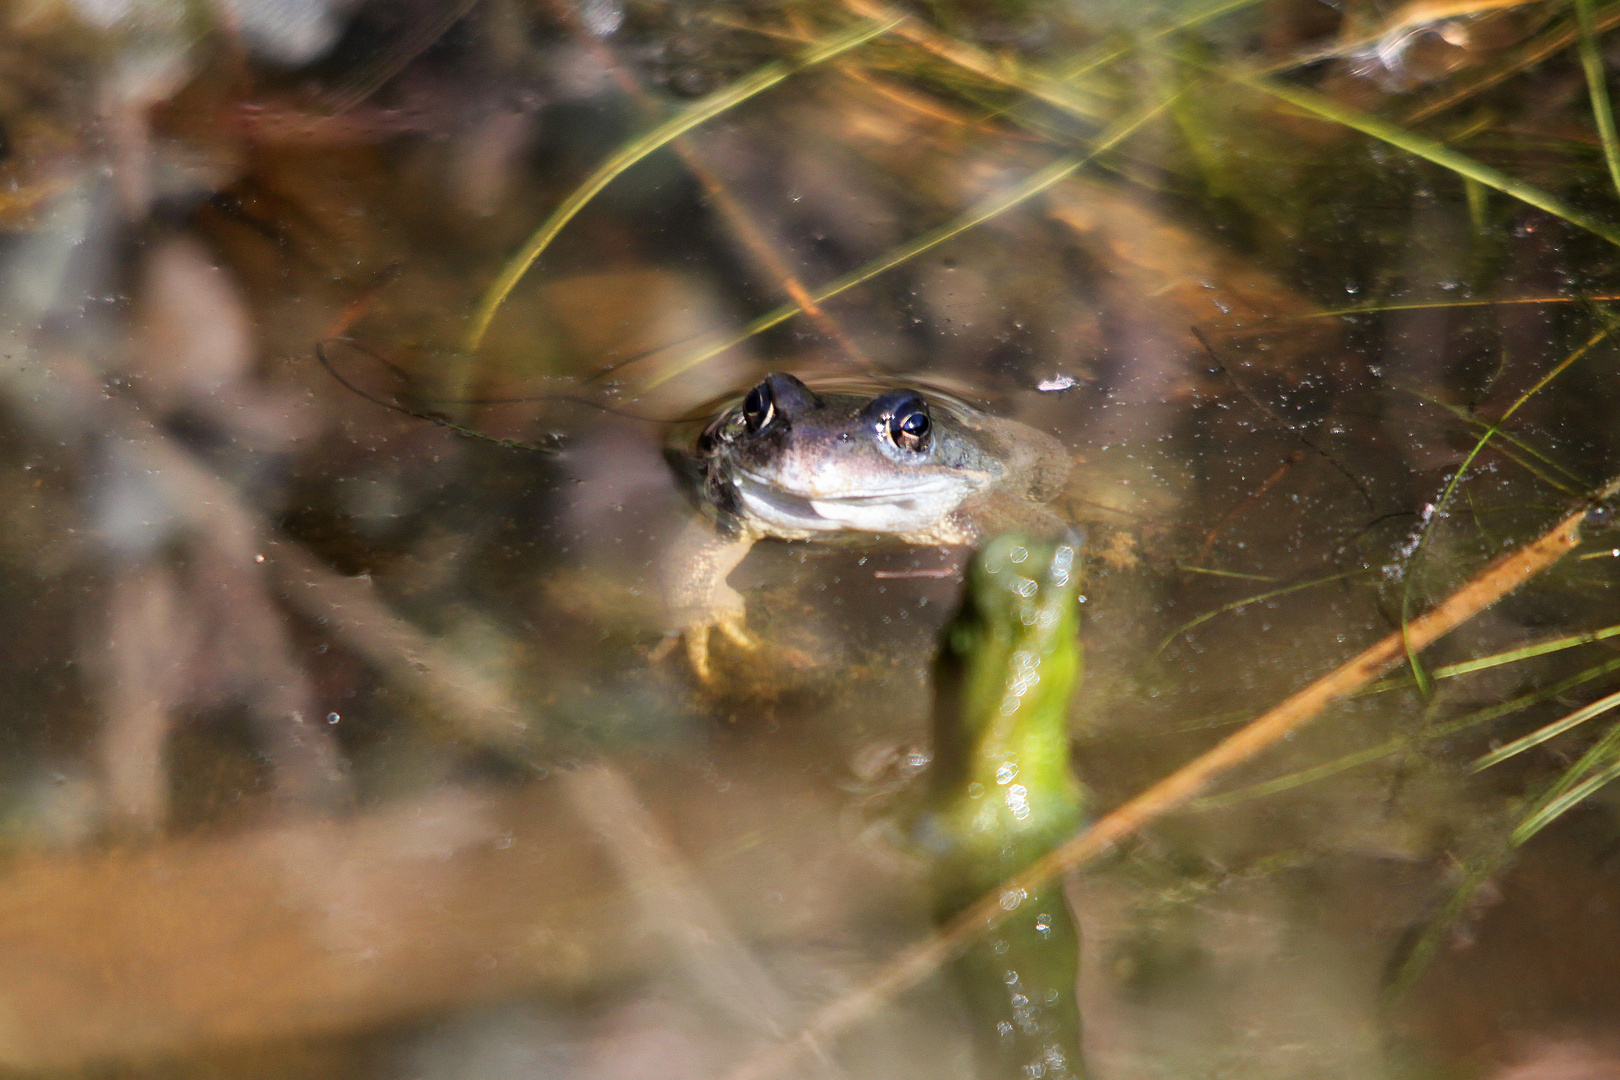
[[794, 463]]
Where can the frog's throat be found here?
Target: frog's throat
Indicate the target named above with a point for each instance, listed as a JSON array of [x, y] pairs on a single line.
[[910, 509]]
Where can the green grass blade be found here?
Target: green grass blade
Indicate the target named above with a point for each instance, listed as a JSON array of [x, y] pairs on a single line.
[[1405, 742], [638, 148], [1542, 734], [1597, 88], [1565, 794], [997, 204], [1423, 147], [1551, 809], [1573, 778], [1540, 648]]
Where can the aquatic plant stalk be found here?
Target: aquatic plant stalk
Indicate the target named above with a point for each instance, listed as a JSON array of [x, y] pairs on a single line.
[[1003, 795]]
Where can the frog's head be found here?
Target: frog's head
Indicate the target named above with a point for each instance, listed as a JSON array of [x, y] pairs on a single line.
[[792, 460]]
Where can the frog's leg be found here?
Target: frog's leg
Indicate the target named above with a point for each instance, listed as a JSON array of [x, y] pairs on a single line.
[[700, 601]]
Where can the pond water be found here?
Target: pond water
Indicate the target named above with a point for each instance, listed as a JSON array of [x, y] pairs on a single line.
[[348, 732]]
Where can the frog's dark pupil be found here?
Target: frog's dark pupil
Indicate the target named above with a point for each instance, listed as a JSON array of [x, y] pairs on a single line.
[[909, 426], [758, 407]]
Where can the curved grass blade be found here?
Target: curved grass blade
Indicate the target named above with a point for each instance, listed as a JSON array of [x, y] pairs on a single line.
[[1421, 146], [1246, 601], [1303, 777], [1597, 88], [322, 355], [1058, 171], [638, 148], [1438, 510]]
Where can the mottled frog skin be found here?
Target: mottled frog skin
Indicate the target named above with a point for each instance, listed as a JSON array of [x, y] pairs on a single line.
[[790, 462]]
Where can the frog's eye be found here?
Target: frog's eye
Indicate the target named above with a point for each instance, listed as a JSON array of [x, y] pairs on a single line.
[[758, 407], [909, 425]]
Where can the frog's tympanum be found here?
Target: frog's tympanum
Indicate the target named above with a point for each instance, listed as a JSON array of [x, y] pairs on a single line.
[[792, 463]]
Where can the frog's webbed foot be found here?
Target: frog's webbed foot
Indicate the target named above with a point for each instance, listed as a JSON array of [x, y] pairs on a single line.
[[697, 635], [700, 600]]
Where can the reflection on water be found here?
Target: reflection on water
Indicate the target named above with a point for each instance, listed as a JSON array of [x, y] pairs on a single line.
[[342, 743]]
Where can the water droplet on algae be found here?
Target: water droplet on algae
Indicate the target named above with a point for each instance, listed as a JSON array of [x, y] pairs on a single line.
[[332, 718]]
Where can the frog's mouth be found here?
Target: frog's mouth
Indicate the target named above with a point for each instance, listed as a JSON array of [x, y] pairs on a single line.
[[893, 510]]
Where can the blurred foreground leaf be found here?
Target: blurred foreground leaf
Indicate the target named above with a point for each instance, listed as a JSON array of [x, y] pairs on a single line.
[[1003, 795]]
